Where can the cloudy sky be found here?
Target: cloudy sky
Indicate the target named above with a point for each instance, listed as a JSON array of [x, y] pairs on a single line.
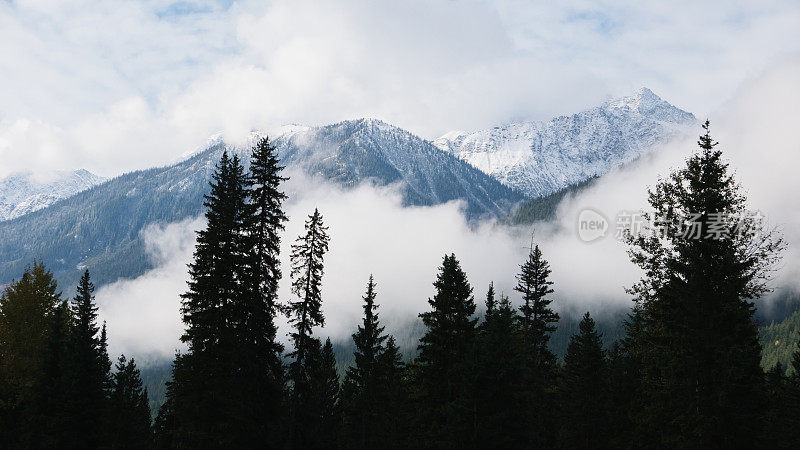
[[116, 86]]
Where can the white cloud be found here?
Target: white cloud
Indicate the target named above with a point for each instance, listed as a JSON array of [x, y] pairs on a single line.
[[143, 314], [115, 86]]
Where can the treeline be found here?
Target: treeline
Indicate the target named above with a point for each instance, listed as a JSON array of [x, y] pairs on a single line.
[[57, 386], [685, 375]]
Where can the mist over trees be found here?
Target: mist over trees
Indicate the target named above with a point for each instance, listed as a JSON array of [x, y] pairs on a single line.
[[686, 374]]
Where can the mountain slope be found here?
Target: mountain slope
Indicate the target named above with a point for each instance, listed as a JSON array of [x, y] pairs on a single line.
[[21, 193], [539, 158], [353, 151], [543, 209], [100, 228]]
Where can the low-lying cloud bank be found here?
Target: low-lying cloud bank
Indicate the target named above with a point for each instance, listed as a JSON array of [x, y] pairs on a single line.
[[371, 233]]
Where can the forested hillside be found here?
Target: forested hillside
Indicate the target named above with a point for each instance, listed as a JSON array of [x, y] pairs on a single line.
[[780, 341]]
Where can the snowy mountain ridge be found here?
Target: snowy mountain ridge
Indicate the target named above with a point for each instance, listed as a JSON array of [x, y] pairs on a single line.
[[22, 192], [539, 158]]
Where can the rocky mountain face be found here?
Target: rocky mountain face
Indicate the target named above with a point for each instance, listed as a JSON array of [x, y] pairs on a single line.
[[539, 158], [22, 193]]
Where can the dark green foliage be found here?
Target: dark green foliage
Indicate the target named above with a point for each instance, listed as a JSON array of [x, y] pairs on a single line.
[[260, 378], [542, 209], [392, 397], [325, 391], [538, 319], [446, 361], [371, 392], [33, 333], [129, 424], [781, 422], [779, 341], [231, 367], [86, 370], [539, 363], [304, 314], [499, 377], [265, 221], [166, 426], [699, 345], [584, 395]]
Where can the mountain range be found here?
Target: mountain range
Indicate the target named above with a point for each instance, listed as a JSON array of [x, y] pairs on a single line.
[[100, 227]]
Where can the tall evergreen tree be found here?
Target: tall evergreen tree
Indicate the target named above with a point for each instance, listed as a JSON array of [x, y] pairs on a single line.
[[705, 258], [85, 397], [362, 388], [207, 378], [538, 319], [130, 414], [33, 323], [584, 398], [265, 221], [305, 313], [446, 361], [260, 375], [539, 363]]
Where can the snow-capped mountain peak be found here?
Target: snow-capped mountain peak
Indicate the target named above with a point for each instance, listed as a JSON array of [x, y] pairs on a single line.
[[539, 158]]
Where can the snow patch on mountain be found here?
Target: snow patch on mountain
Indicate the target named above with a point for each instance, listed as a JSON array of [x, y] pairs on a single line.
[[539, 158], [22, 192]]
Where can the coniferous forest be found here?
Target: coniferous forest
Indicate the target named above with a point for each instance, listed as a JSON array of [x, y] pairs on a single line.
[[686, 374]]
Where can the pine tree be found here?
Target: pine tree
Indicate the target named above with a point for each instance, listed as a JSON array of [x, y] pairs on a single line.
[[499, 376], [208, 306], [584, 398], [86, 372], [260, 377], [539, 363], [705, 259], [305, 313], [130, 413], [208, 377], [362, 384], [538, 318], [446, 360], [33, 322], [307, 270], [265, 221]]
